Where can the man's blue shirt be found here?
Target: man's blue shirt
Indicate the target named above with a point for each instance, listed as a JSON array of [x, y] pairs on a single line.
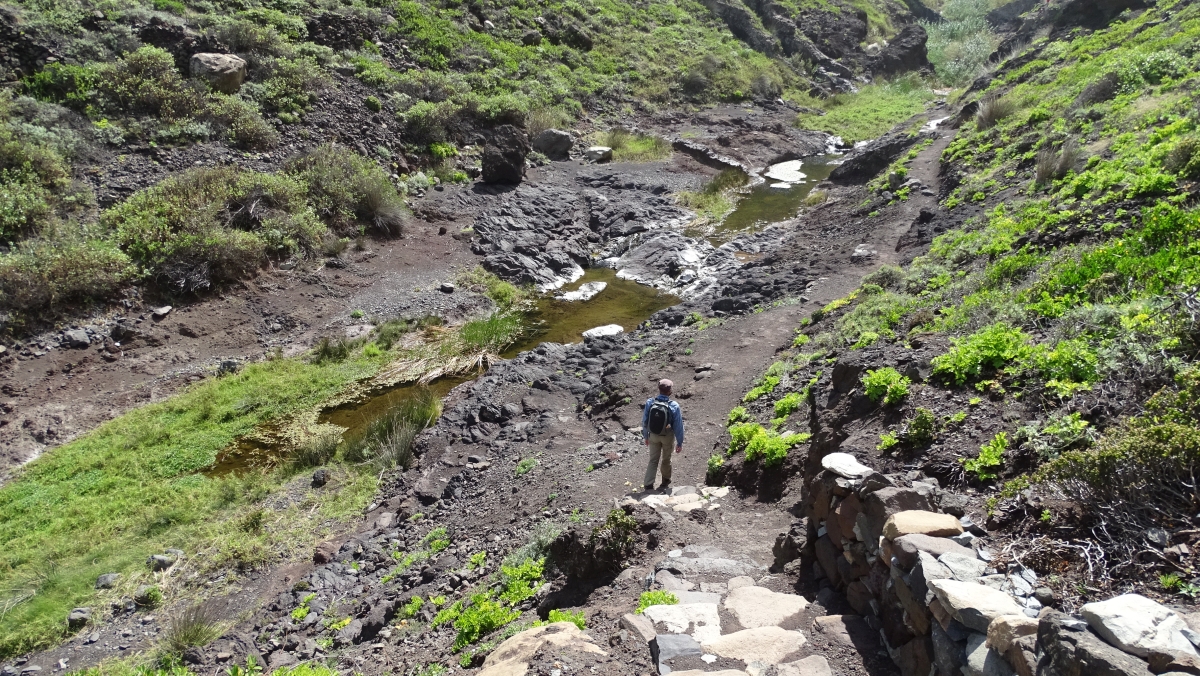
[[676, 422]]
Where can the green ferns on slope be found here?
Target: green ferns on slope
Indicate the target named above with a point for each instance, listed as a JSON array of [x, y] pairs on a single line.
[[1077, 283]]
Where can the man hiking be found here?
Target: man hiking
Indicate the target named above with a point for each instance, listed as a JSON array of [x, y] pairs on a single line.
[[662, 427]]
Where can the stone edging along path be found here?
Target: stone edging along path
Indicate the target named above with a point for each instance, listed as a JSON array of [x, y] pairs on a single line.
[[923, 582]]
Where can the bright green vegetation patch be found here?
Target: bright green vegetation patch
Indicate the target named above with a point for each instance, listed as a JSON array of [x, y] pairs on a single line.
[[629, 147], [135, 486], [715, 200], [886, 385], [870, 112], [655, 598]]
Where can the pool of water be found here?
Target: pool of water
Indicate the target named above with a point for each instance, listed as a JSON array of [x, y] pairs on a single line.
[[621, 302], [770, 202]]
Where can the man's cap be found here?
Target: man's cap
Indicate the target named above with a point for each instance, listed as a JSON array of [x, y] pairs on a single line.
[[665, 384]]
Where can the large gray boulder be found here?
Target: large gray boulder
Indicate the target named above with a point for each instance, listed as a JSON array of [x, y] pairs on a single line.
[[554, 143], [1138, 625], [1067, 648], [223, 72], [504, 155]]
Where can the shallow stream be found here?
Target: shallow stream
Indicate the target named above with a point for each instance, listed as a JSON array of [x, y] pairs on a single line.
[[776, 199]]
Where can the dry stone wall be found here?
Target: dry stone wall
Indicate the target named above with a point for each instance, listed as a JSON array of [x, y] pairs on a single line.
[[920, 573]]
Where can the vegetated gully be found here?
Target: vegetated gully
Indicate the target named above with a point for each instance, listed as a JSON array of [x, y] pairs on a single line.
[[774, 196]]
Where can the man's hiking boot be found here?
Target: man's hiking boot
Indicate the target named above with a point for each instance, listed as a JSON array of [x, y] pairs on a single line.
[[648, 487], [665, 485]]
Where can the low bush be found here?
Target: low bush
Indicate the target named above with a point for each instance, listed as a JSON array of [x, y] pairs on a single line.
[[772, 447], [207, 226], [787, 405], [736, 415], [988, 349], [550, 117], [986, 465], [387, 442], [1184, 158], [40, 273], [349, 191], [885, 384], [741, 434], [194, 627], [146, 82], [991, 110], [481, 618]]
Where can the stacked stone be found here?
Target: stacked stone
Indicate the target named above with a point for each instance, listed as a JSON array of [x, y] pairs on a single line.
[[923, 580]]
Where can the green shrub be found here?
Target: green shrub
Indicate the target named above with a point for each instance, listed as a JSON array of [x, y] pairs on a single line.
[[741, 434], [372, 103], [990, 458], [290, 85], [576, 618], [70, 85], [771, 447], [988, 349], [736, 415], [492, 334], [1184, 158], [441, 151], [524, 466], [146, 82], [245, 126], [766, 386], [788, 404], [655, 598], [206, 226], [40, 273], [426, 122], [922, 428], [481, 618], [886, 384], [412, 608], [521, 581], [715, 463], [349, 190]]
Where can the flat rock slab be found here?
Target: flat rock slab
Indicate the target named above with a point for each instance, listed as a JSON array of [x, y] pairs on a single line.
[[640, 626], [666, 647], [813, 665], [913, 521], [1138, 625], [850, 630], [702, 619], [705, 566], [513, 656], [698, 597], [973, 604], [845, 465], [740, 581], [763, 644], [760, 607]]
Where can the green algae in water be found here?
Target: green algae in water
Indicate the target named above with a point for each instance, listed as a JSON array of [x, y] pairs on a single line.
[[764, 205], [621, 302]]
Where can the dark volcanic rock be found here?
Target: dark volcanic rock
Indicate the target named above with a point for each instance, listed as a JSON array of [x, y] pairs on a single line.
[[554, 143], [504, 155], [864, 163], [905, 52]]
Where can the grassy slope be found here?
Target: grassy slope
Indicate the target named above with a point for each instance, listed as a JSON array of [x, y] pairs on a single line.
[[1068, 289], [134, 487]]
